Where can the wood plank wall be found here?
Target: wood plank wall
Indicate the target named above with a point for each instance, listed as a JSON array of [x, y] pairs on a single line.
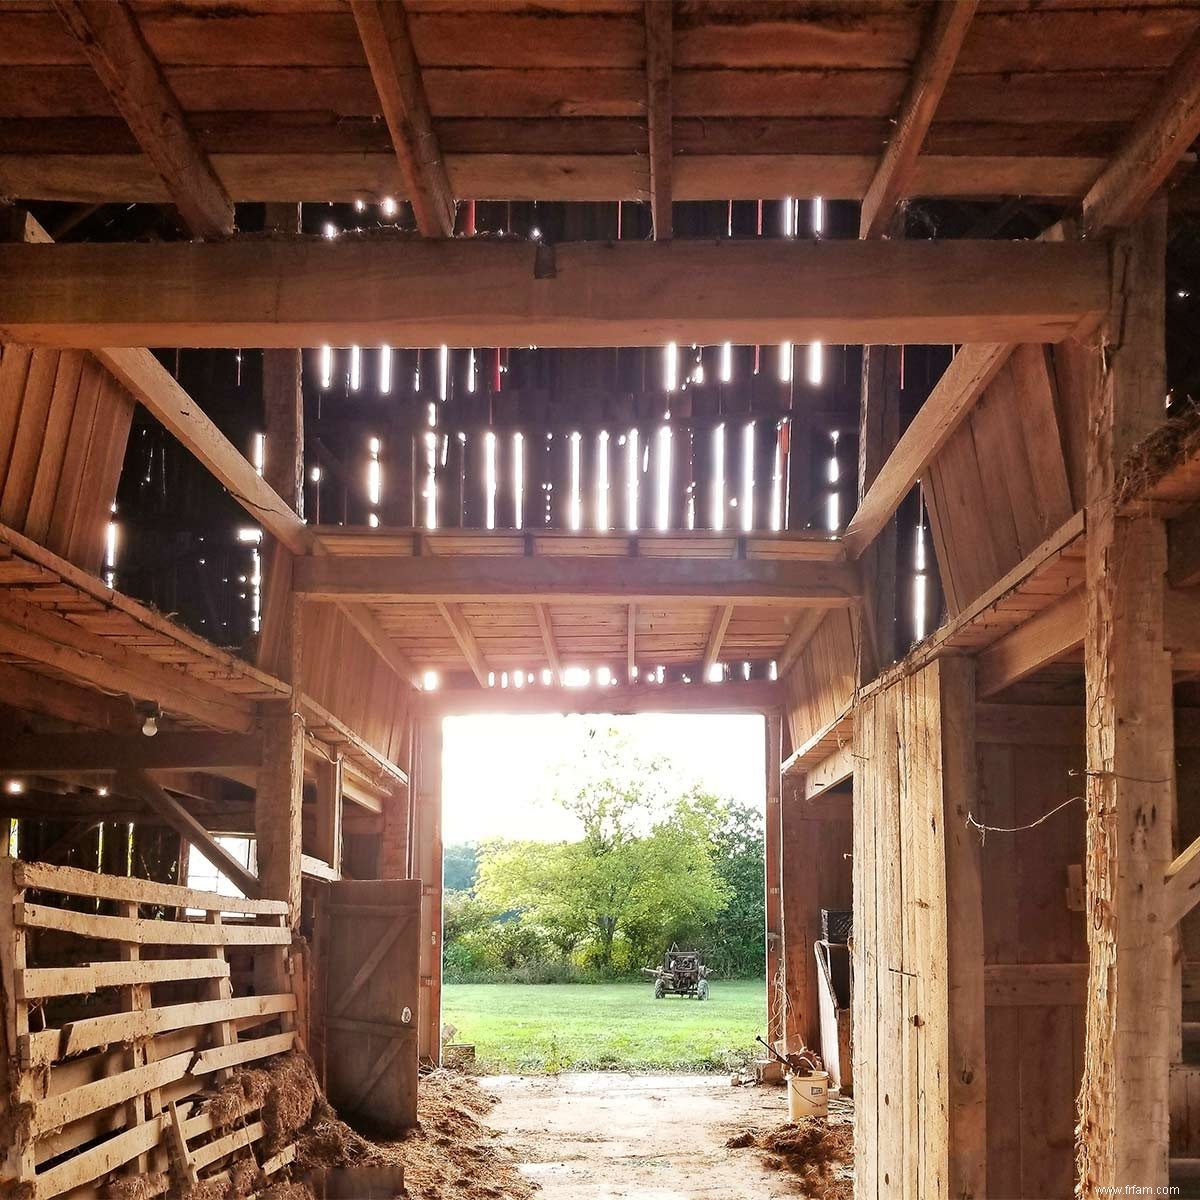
[[350, 680], [919, 1072], [819, 686], [1011, 475], [1034, 1050], [64, 424]]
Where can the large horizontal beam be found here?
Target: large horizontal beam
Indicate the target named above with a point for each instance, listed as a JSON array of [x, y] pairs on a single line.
[[758, 696], [505, 293], [54, 752], [487, 579]]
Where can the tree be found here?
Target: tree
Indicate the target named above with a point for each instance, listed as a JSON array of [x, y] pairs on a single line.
[[736, 941], [460, 866], [643, 871]]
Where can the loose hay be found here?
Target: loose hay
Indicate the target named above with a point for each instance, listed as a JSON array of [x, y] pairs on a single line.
[[819, 1153]]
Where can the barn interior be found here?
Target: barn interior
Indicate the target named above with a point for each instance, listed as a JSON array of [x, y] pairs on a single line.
[[367, 362]]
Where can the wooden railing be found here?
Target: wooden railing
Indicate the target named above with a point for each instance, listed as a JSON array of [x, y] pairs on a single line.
[[119, 1005]]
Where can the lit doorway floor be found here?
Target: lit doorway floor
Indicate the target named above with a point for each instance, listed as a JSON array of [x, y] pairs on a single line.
[[600, 1136]]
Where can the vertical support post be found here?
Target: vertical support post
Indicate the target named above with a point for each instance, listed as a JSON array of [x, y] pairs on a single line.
[[328, 840], [277, 806], [19, 1160], [1133, 996], [799, 904], [966, 1035], [879, 430], [776, 984], [427, 866]]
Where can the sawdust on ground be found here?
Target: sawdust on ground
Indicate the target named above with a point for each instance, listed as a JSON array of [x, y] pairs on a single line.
[[818, 1152]]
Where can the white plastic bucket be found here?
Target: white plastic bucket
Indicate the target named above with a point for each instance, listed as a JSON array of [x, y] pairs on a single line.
[[808, 1095]]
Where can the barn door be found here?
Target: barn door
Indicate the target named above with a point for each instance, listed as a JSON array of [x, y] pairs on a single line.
[[372, 983]]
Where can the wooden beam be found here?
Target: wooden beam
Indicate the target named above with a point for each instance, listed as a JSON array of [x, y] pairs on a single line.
[[659, 68], [631, 669], [931, 72], [1183, 550], [109, 35], [152, 385], [51, 753], [452, 614], [806, 624], [548, 642], [758, 696], [157, 390], [1181, 884], [290, 165], [1154, 144], [33, 633], [383, 31], [716, 637], [489, 579], [952, 398], [25, 690], [1133, 991], [367, 623], [1044, 638], [138, 785], [829, 772], [501, 293]]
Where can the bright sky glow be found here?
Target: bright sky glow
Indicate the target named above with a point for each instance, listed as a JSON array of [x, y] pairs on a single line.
[[500, 773]]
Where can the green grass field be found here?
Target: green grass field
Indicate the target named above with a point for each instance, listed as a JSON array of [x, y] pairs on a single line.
[[549, 1027]]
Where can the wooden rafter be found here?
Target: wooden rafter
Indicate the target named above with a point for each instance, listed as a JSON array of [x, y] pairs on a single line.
[[1155, 143], [952, 398], [110, 37], [157, 390], [546, 625], [1124, 188], [367, 623], [382, 578], [499, 292], [1045, 637], [716, 638], [383, 31], [802, 633], [454, 617], [931, 72], [659, 67], [32, 633], [140, 786]]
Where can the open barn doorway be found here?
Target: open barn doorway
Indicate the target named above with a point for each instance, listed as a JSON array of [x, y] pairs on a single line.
[[584, 853]]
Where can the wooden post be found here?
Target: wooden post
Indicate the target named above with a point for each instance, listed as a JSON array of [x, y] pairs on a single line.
[[328, 840], [426, 791], [277, 807], [799, 905], [879, 430], [966, 1048], [776, 985], [1133, 997]]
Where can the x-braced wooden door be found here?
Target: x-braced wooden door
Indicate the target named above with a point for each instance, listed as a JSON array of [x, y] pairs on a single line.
[[372, 985]]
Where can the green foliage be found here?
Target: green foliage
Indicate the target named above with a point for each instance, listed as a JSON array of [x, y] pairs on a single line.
[[460, 867], [654, 865]]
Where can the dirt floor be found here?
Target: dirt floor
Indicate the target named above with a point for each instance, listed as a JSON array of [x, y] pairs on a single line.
[[654, 1137]]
